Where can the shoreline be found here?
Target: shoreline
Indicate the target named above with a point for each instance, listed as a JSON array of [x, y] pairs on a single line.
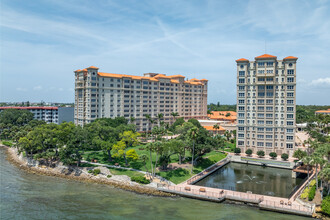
[[15, 160]]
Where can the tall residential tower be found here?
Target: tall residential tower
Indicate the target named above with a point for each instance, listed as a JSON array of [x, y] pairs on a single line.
[[266, 104], [108, 95]]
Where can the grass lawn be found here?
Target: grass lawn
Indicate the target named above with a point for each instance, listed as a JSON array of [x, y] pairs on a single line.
[[129, 173], [176, 176]]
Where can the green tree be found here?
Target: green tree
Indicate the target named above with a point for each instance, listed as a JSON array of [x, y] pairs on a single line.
[[261, 153], [237, 150], [299, 154], [273, 155], [284, 156], [192, 134], [248, 152]]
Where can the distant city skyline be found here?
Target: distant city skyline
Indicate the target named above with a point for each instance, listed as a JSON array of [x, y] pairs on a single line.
[[43, 42]]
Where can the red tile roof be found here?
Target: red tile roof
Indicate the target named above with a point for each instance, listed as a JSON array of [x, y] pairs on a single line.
[[211, 128], [242, 60], [265, 56], [92, 67], [290, 58], [221, 115]]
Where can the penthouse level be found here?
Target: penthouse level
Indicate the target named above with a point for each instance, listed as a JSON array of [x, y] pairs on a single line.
[[109, 95]]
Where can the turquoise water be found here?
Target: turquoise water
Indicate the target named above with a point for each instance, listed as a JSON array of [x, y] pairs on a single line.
[[30, 196], [256, 179]]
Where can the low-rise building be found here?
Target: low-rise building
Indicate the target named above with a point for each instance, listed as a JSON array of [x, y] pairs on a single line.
[[215, 130], [323, 112], [229, 116]]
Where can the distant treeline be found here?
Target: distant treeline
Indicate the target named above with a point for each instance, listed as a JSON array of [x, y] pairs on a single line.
[[221, 107]]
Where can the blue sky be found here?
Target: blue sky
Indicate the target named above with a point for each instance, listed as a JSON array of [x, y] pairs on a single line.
[[44, 41]]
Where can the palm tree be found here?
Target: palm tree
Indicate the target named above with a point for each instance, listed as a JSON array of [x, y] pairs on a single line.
[[216, 127], [132, 119], [159, 116], [148, 117], [192, 134], [308, 161], [174, 114], [325, 177], [228, 135]]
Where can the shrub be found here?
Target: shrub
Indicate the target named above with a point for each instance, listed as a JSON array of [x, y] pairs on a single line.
[[7, 143], [284, 156], [261, 153], [232, 141], [140, 179], [237, 150], [95, 172], [273, 155], [248, 152], [311, 193], [109, 176], [325, 205]]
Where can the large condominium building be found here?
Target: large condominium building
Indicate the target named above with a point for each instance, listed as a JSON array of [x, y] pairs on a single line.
[[266, 104], [108, 95]]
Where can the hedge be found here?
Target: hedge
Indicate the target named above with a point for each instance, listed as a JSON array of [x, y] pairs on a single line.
[[325, 205], [311, 193], [140, 179]]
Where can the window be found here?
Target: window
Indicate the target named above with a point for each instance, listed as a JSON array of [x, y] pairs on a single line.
[[269, 87], [241, 94], [269, 79], [241, 81], [269, 101], [240, 121], [269, 122], [289, 109], [269, 136], [241, 115], [260, 144], [261, 101], [260, 136], [269, 144], [241, 108], [261, 87], [270, 94], [241, 73], [289, 123], [290, 87], [260, 115], [289, 137], [241, 128], [289, 115], [240, 143], [289, 101], [261, 63], [269, 129], [290, 72], [269, 71], [290, 146], [269, 115], [241, 135], [241, 87], [261, 79], [269, 108], [290, 79], [260, 129], [241, 101], [260, 108], [260, 122], [289, 130], [290, 94], [261, 94], [270, 63]]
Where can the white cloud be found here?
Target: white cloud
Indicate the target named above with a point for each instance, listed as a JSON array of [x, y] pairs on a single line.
[[321, 82], [21, 89], [37, 88], [60, 89]]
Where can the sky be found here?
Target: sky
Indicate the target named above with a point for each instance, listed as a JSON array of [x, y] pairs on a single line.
[[44, 41]]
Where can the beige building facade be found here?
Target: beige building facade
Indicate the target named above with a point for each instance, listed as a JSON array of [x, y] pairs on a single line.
[[108, 95], [266, 104]]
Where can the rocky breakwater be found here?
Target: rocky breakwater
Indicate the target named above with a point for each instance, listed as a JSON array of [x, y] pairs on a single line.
[[82, 174]]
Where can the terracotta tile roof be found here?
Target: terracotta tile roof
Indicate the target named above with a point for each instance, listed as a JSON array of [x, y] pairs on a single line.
[[92, 67], [177, 76], [204, 80], [77, 70], [242, 60], [265, 56], [323, 111], [84, 70], [210, 128], [290, 58], [221, 115], [174, 81]]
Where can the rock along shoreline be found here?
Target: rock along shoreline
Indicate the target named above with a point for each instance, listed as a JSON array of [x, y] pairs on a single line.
[[79, 174]]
